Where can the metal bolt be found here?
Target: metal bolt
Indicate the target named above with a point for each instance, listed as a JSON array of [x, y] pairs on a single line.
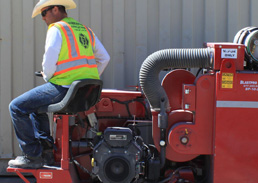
[[184, 140], [162, 143], [187, 91], [187, 106]]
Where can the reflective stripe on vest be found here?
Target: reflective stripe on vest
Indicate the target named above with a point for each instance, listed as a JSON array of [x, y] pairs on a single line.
[[70, 37], [71, 64], [92, 38], [75, 60]]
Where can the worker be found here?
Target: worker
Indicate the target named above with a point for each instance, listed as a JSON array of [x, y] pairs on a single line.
[[72, 52]]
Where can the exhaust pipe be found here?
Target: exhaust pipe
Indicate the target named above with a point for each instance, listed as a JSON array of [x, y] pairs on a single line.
[[166, 59]]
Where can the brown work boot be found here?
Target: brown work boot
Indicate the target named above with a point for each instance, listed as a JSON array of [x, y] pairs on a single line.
[[26, 162]]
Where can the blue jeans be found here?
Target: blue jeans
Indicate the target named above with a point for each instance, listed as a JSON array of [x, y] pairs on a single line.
[[29, 125]]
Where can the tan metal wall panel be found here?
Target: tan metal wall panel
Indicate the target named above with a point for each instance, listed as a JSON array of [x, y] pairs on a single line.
[[6, 143], [140, 45], [129, 29], [253, 12], [107, 39], [118, 61]]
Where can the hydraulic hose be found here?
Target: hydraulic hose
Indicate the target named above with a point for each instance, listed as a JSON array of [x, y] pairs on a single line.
[[166, 59]]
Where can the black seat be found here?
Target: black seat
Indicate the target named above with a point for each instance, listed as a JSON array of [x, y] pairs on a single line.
[[81, 96]]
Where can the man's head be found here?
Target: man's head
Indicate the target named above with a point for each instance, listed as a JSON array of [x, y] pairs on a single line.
[[52, 14], [56, 4]]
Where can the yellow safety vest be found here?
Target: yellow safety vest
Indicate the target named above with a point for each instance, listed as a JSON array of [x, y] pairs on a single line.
[[76, 59]]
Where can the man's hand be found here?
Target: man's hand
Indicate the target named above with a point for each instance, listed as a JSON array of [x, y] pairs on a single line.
[[39, 73]]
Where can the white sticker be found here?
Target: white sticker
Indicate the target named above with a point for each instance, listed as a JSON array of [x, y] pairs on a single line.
[[249, 85], [46, 175], [228, 53]]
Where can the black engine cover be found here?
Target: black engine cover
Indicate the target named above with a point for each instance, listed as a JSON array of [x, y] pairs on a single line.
[[117, 157]]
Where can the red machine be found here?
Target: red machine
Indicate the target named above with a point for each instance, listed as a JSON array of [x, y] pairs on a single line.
[[188, 129]]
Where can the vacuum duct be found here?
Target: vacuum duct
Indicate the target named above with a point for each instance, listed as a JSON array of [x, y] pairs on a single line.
[[166, 59]]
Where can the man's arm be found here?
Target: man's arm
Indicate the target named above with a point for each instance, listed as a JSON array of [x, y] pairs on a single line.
[[52, 50], [101, 55]]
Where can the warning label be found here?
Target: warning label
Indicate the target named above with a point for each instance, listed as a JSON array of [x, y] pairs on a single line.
[[227, 80]]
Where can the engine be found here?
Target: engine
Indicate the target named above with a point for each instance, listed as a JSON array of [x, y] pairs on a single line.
[[119, 156]]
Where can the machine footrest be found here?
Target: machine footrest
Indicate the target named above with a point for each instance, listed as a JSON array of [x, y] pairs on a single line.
[[45, 174]]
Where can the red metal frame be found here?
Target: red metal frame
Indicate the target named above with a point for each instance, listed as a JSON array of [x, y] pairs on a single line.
[[218, 116], [218, 47], [64, 173], [194, 123], [235, 140]]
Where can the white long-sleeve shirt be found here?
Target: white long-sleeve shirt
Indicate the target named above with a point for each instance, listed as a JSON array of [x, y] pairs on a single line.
[[53, 47]]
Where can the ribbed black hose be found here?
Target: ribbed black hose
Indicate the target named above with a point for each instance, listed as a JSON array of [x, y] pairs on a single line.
[[165, 59]]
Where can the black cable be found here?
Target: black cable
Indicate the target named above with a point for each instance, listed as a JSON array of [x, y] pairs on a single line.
[[198, 72], [82, 168]]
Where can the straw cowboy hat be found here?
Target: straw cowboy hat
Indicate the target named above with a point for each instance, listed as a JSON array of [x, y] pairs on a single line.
[[68, 4]]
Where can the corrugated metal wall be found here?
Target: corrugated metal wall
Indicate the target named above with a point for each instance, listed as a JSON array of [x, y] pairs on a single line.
[[129, 29]]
